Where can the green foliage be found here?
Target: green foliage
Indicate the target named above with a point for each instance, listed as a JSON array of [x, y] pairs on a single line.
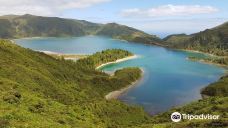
[[37, 90], [214, 60], [12, 97], [6, 30], [219, 88], [212, 41], [13, 26], [126, 33], [30, 26], [176, 39], [213, 105], [102, 57]]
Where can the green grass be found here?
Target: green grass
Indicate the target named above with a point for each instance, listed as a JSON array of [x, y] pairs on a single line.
[[213, 41], [40, 91], [18, 26], [212, 105], [219, 88], [37, 90]]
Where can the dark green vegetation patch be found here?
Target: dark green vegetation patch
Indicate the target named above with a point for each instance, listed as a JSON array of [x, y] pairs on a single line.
[[214, 41], [37, 90]]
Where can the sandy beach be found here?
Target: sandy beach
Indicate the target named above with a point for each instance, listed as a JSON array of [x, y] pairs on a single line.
[[118, 61], [117, 93], [73, 57]]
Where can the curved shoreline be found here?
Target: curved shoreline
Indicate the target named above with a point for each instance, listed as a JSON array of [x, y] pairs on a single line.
[[208, 62], [118, 61], [115, 94]]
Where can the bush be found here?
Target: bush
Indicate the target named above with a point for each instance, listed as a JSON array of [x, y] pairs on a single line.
[[4, 123], [12, 97]]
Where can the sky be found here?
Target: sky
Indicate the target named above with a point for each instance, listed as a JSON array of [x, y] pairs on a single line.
[[161, 17]]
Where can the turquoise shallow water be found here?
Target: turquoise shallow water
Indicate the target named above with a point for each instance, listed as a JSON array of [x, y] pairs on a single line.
[[169, 79]]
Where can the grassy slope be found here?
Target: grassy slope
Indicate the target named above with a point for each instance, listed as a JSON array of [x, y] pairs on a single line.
[[212, 105], [29, 26], [214, 41], [126, 33], [219, 88], [40, 91], [36, 26], [177, 39]]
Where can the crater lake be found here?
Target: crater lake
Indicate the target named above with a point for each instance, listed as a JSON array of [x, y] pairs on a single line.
[[169, 79]]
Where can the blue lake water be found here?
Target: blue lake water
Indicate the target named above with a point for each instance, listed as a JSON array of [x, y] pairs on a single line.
[[169, 78]]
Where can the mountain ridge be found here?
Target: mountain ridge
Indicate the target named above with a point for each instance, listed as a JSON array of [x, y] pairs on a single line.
[[17, 26], [213, 41]]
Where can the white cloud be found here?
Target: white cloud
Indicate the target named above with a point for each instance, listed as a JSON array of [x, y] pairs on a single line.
[[169, 10], [44, 7]]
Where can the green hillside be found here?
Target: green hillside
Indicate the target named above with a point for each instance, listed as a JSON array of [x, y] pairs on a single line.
[[219, 88], [176, 39], [30, 26], [37, 90], [214, 41], [126, 33], [13, 26], [6, 29], [40, 91]]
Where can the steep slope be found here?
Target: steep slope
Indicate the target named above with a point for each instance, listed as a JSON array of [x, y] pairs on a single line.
[[6, 29], [13, 26], [213, 40], [219, 88], [126, 33], [37, 90], [29, 26], [176, 39]]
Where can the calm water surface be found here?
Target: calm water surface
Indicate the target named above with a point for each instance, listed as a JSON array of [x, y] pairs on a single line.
[[169, 79]]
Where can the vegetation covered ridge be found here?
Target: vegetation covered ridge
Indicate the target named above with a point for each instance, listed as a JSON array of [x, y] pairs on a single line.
[[19, 26], [105, 56], [38, 90], [213, 41], [216, 60], [219, 88]]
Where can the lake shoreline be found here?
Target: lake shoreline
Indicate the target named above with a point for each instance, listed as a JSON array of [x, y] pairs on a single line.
[[117, 93], [195, 51], [73, 57], [121, 91], [118, 61], [208, 62]]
